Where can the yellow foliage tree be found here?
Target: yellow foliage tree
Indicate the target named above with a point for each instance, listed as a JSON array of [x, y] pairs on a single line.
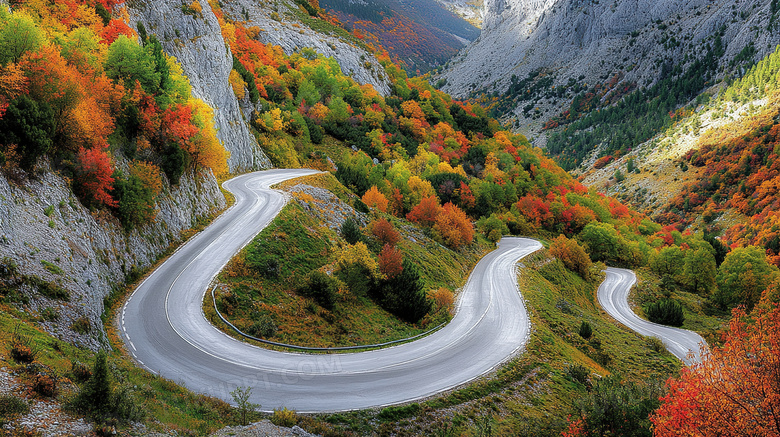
[[205, 148], [238, 84], [357, 254], [418, 189], [375, 199]]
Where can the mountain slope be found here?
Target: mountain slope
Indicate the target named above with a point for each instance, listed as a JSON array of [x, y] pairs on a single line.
[[574, 45]]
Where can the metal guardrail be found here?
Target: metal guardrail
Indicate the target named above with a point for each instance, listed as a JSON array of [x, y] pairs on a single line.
[[316, 349]]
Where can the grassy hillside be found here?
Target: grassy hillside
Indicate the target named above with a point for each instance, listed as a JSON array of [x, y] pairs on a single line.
[[262, 293]]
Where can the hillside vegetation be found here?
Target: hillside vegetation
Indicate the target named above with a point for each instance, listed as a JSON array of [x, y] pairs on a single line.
[[425, 180]]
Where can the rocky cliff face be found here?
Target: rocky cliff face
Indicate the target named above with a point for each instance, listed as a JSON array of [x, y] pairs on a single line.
[[280, 24], [195, 40], [590, 41], [48, 234]]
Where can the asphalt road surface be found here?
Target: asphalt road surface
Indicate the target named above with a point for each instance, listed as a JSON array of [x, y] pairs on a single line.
[[165, 329], [613, 297]]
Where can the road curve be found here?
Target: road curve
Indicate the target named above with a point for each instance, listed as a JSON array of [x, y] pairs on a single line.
[[613, 297], [164, 327]]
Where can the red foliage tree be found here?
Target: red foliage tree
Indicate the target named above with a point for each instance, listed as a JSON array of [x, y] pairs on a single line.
[[736, 388], [390, 261], [114, 29], [384, 232], [93, 178], [425, 212]]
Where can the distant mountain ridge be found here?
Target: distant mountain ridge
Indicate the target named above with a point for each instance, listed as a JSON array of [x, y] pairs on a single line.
[[576, 44], [421, 33]]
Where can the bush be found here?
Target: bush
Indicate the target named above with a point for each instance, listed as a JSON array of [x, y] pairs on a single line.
[[82, 325], [322, 288], [264, 264], [22, 349], [264, 327], [80, 371], [45, 385], [284, 417], [585, 330], [665, 312], [616, 407], [578, 373], [11, 405], [97, 399]]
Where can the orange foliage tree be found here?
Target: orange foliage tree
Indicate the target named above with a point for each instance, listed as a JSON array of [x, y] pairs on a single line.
[[454, 226], [736, 388], [375, 199], [573, 256]]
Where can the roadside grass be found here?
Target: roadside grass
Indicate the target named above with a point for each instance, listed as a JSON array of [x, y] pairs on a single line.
[[168, 406]]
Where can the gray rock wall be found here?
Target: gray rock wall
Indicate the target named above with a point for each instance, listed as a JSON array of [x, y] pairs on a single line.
[[90, 251], [196, 42]]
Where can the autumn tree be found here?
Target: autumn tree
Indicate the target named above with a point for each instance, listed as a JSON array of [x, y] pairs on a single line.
[[573, 256], [454, 226], [390, 261], [94, 177], [18, 36], [425, 212], [375, 199], [384, 231], [735, 390]]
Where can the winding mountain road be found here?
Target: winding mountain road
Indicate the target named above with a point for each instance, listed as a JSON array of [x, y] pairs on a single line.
[[166, 331], [613, 297]]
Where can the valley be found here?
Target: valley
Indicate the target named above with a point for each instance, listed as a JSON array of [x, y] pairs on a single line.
[[561, 212]]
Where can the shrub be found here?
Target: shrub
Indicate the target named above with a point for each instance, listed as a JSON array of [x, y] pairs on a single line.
[[22, 349], [82, 325], [665, 312], [264, 264], [264, 327], [284, 417], [578, 373], [617, 407], [49, 314], [99, 401], [80, 371], [11, 405], [585, 330], [44, 385], [322, 288]]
